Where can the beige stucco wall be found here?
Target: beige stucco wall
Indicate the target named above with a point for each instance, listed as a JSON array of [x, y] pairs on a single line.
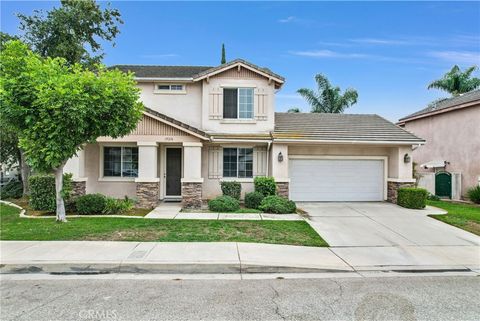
[[186, 107], [116, 189], [233, 126], [211, 186], [453, 136], [397, 169], [192, 107]]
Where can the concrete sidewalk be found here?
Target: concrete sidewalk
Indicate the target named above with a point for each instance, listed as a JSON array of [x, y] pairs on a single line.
[[228, 257]]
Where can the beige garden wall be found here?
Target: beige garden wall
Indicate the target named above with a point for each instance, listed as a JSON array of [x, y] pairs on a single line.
[[454, 137]]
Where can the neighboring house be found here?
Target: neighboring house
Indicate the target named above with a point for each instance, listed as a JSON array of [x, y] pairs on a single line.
[[449, 163], [203, 125]]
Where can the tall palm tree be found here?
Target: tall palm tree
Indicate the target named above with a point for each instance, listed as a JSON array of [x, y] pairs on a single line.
[[329, 99], [456, 81]]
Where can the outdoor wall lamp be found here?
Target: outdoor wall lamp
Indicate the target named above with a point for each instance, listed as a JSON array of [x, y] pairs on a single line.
[[406, 158], [280, 157]]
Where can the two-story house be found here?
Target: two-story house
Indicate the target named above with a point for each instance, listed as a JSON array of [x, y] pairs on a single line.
[[203, 125], [449, 163]]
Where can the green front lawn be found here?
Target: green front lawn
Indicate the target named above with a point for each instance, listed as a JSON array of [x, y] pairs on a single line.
[[12, 227], [464, 216], [23, 203]]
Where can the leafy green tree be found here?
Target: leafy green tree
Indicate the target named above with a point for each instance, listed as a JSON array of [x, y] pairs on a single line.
[[4, 37], [456, 81], [293, 110], [57, 107], [10, 154], [328, 99], [224, 59], [73, 31]]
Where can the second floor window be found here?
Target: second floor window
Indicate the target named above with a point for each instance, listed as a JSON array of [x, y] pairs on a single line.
[[169, 88], [238, 103], [120, 161]]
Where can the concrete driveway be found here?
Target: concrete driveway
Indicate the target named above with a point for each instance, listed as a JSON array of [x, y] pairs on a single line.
[[382, 224], [377, 234]]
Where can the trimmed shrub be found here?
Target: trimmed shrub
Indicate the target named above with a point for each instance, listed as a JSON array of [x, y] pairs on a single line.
[[117, 206], [433, 197], [13, 189], [278, 205], [253, 199], [265, 185], [42, 191], [232, 189], [90, 204], [473, 194], [224, 204], [412, 197]]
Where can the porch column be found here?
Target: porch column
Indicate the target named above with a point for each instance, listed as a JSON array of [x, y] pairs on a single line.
[[400, 171], [147, 181], [76, 166], [192, 181], [279, 170]]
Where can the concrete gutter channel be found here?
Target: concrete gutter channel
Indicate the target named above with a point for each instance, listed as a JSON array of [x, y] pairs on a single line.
[[91, 258]]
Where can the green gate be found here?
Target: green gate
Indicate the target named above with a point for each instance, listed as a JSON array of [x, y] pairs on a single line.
[[443, 184]]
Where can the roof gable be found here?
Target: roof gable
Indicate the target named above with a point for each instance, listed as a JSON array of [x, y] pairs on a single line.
[[245, 65]]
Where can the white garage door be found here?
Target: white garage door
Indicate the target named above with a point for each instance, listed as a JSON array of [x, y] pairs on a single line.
[[336, 180]]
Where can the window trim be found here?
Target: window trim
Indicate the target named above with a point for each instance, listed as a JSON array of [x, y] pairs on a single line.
[[238, 103], [101, 177], [169, 91], [238, 155]]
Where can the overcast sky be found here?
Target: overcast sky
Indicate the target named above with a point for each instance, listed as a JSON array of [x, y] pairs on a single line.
[[389, 52]]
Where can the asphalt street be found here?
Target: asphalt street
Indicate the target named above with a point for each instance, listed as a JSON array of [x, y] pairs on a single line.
[[436, 298]]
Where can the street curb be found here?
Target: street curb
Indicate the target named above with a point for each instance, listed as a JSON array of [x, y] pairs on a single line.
[[154, 268]]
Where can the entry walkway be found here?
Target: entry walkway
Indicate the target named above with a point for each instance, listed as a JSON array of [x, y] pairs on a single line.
[[172, 211]]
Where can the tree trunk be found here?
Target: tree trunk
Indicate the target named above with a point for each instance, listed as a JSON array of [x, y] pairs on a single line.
[[61, 216], [25, 173]]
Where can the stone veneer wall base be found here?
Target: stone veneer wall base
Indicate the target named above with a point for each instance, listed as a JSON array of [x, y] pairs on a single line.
[[147, 194], [392, 190], [192, 195], [79, 188], [282, 189]]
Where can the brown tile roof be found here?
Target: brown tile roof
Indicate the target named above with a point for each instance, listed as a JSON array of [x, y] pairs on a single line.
[[142, 71], [446, 103], [187, 72], [339, 127]]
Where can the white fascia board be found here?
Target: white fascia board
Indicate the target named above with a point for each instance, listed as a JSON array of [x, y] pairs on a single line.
[[275, 140]]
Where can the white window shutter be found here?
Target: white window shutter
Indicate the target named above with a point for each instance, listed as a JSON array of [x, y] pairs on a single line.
[[215, 162], [215, 103], [260, 161], [260, 104]]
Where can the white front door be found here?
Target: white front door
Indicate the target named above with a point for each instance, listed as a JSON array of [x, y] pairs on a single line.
[[336, 180]]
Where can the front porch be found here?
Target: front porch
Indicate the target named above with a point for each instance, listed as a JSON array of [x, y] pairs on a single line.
[[160, 160]]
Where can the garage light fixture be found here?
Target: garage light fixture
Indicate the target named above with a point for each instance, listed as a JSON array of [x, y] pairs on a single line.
[[406, 158], [280, 157]]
